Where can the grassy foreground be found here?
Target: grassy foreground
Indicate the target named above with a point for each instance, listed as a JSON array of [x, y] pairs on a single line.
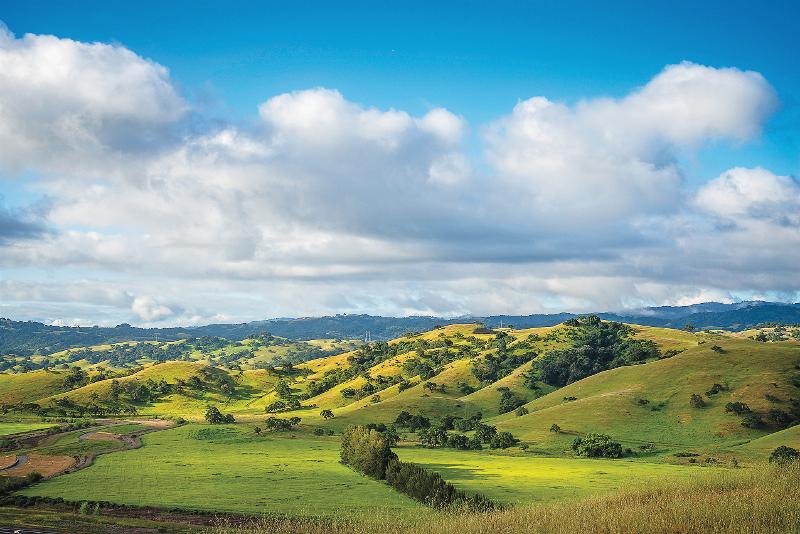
[[753, 500], [230, 469]]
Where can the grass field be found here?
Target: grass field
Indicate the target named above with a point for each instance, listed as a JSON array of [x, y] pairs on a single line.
[[742, 501], [527, 479], [227, 468], [16, 427]]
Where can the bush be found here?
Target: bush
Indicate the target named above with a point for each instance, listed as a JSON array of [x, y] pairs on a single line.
[[215, 417], [780, 418], [366, 451], [458, 441], [555, 428], [522, 410], [696, 401], [503, 440], [276, 424], [784, 455], [739, 408], [597, 446], [369, 452], [716, 388], [752, 420]]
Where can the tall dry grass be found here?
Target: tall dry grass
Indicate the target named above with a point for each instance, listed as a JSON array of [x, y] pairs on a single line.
[[754, 500]]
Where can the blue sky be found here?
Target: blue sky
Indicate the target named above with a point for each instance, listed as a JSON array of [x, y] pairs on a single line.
[[474, 58], [477, 61]]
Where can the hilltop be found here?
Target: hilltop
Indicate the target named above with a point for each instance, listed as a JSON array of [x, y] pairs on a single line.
[[25, 338]]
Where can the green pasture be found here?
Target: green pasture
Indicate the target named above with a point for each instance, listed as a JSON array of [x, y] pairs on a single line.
[[8, 428], [230, 469], [527, 478]]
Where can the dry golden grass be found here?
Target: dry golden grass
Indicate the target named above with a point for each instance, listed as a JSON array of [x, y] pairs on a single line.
[[753, 500]]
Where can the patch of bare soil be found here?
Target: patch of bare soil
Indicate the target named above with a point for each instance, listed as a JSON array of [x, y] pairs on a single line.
[[47, 466]]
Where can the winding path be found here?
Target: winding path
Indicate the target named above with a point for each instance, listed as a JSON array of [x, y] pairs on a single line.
[[22, 459]]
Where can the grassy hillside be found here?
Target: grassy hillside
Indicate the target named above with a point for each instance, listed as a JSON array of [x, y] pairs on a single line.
[[29, 387], [460, 370], [650, 403]]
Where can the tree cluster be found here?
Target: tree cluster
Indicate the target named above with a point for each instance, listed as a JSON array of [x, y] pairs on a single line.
[[597, 346]]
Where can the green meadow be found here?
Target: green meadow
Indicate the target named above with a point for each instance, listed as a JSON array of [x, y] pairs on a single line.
[[521, 478], [230, 469], [17, 427]]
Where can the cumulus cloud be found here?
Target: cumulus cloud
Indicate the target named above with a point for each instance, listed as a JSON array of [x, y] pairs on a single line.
[[608, 158], [150, 310], [742, 193], [65, 103], [321, 204]]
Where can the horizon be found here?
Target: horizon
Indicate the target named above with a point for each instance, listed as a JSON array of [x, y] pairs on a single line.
[[632, 313], [172, 165]]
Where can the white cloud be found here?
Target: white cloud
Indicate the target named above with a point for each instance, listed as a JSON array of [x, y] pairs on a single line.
[[323, 205], [150, 310], [604, 158], [752, 193], [65, 103]]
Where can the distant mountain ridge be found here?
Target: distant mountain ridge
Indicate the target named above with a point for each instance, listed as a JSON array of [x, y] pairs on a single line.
[[28, 337]]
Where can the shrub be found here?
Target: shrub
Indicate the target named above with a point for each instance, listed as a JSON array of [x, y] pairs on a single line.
[[751, 420], [366, 451], [716, 388], [555, 428], [696, 401], [458, 441], [485, 433], [465, 389], [276, 424], [503, 440], [326, 414], [739, 408], [215, 417], [597, 446], [429, 488], [780, 418], [784, 455], [319, 432], [522, 410]]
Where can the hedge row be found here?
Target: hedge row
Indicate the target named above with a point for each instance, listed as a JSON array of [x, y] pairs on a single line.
[[369, 452]]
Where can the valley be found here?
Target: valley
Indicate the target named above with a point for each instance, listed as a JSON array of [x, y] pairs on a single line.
[[547, 416]]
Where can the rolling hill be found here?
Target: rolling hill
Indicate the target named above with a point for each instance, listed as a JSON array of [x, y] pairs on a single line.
[[465, 369]]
